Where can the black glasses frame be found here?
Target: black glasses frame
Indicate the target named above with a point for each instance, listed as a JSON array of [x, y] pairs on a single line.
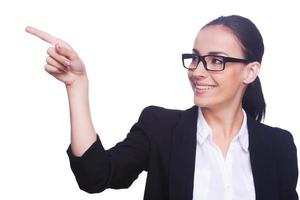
[[202, 59]]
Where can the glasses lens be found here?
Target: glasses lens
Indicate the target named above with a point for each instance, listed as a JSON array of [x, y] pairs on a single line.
[[214, 63], [190, 61]]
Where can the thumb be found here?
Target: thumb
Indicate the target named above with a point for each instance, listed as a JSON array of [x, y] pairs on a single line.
[[65, 51], [74, 64]]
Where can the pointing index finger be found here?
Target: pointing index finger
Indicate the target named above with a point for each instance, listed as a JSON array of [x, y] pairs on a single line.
[[43, 35]]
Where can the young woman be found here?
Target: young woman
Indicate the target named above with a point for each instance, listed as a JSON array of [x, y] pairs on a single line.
[[217, 149]]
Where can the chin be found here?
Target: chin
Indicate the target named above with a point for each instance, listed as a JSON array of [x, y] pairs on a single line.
[[203, 103]]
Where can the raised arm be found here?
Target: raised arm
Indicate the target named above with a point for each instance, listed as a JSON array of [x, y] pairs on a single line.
[[94, 167], [64, 64]]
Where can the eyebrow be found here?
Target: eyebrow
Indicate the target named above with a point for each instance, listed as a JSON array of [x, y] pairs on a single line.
[[211, 52], [196, 51]]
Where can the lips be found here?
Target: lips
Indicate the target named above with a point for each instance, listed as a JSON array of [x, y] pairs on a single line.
[[203, 87]]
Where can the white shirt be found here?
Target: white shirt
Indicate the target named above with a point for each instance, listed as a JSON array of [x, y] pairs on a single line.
[[216, 178]]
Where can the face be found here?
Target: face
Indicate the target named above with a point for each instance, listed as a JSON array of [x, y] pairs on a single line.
[[222, 88]]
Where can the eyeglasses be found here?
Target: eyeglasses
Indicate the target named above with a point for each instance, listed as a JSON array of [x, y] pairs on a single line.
[[210, 62]]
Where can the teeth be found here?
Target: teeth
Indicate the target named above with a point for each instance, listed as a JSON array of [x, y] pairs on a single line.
[[204, 87]]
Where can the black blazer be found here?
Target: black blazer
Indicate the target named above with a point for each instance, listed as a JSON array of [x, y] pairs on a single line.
[[163, 143]]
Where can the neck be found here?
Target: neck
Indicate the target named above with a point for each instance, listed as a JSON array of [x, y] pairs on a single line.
[[225, 122]]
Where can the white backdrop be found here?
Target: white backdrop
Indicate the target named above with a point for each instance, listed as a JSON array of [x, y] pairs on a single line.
[[132, 53]]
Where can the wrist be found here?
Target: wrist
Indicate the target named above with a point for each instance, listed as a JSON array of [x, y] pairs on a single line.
[[79, 84]]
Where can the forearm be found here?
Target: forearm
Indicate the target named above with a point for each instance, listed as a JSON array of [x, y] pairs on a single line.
[[83, 134]]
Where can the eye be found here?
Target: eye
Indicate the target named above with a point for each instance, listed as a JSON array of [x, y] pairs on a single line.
[[217, 60]]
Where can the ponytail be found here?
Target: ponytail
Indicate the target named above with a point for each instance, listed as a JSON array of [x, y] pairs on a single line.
[[253, 101]]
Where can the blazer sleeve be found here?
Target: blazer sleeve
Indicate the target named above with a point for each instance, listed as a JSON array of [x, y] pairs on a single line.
[[288, 168], [98, 169]]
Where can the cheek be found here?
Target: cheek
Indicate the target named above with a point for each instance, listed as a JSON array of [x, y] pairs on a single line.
[[231, 82], [190, 74]]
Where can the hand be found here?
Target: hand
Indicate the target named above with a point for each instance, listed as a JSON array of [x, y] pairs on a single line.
[[63, 62]]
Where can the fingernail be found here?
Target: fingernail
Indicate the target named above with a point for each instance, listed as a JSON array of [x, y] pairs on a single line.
[[58, 46], [67, 63]]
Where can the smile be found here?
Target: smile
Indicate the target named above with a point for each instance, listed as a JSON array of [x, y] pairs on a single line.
[[204, 87]]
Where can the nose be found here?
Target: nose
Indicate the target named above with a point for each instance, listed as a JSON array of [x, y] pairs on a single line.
[[200, 70]]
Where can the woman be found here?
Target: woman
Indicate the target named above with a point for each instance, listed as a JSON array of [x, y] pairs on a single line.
[[218, 149]]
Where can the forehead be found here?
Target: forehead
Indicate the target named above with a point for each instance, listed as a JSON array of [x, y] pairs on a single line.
[[218, 38]]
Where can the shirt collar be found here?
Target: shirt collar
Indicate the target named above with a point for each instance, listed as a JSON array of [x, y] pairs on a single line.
[[204, 132]]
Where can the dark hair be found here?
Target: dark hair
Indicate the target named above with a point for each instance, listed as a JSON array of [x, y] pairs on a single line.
[[253, 50]]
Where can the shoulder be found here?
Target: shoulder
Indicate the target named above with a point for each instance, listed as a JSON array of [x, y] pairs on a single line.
[[159, 112], [281, 146], [285, 141], [156, 118], [278, 133], [269, 135], [156, 114]]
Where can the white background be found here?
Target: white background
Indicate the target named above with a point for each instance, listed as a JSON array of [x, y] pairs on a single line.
[[132, 51]]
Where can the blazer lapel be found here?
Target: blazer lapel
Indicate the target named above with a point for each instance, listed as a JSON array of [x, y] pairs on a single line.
[[261, 161], [183, 156]]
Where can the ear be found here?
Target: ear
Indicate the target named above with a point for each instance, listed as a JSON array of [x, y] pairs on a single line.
[[251, 71]]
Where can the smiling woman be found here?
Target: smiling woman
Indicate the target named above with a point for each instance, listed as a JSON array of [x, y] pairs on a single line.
[[217, 149]]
